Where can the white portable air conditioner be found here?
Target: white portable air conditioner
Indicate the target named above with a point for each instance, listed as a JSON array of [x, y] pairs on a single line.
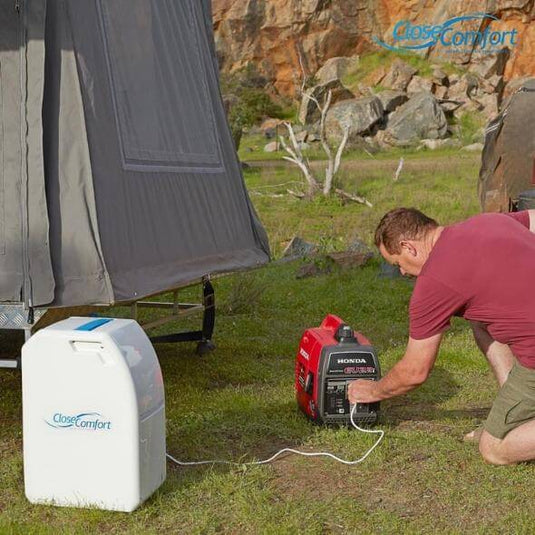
[[93, 415]]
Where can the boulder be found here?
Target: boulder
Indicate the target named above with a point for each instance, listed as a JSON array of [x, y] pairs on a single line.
[[308, 111], [470, 106], [434, 144], [441, 92], [474, 147], [384, 139], [335, 68], [375, 77], [269, 124], [391, 99], [419, 118], [450, 106], [363, 90], [360, 115], [489, 105], [419, 84], [320, 266], [440, 77], [366, 143], [270, 128], [349, 259], [302, 136], [486, 65], [370, 144], [463, 88], [399, 75], [298, 248], [358, 246], [273, 146], [494, 84]]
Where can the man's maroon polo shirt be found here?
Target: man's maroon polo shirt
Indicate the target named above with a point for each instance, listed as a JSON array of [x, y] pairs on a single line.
[[482, 269]]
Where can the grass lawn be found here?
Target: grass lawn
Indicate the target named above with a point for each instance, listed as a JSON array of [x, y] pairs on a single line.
[[238, 402]]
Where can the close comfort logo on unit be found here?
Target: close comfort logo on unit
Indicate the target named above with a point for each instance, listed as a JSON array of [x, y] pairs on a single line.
[[451, 35], [90, 421]]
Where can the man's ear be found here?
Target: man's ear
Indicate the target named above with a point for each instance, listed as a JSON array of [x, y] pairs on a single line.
[[408, 246]]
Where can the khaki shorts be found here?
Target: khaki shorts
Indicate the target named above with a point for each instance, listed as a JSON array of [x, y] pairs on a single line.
[[515, 403]]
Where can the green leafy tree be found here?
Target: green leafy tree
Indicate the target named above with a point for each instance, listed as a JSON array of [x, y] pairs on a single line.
[[246, 100]]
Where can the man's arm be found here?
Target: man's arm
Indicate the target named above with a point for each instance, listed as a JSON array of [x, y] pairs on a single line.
[[411, 371], [531, 220], [525, 217]]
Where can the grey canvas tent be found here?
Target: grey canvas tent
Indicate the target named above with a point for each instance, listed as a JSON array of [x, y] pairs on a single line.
[[118, 174], [508, 160]]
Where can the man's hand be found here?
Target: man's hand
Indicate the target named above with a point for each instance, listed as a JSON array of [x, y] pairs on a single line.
[[362, 391], [411, 371]]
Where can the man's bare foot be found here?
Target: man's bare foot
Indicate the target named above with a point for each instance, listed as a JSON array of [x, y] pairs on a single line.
[[474, 435]]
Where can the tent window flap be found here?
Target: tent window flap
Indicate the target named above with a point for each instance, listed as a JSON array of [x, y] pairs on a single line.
[[159, 86]]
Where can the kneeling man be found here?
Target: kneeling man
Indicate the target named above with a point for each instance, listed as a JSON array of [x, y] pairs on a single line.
[[482, 269]]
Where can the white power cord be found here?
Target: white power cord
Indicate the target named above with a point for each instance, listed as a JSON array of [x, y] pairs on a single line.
[[379, 432]]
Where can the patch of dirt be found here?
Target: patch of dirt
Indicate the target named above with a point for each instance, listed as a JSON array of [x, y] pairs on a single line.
[[402, 487], [318, 478], [424, 425]]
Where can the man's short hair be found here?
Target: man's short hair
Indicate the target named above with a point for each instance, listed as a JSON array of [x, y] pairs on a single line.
[[402, 224]]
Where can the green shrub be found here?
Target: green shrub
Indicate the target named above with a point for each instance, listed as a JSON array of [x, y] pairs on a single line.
[[249, 100], [252, 105], [244, 295], [468, 126]]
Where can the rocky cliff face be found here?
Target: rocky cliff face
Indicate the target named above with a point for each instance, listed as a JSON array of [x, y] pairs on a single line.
[[284, 37]]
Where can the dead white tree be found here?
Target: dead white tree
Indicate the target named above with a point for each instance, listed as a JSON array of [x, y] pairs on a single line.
[[333, 161], [333, 164], [334, 157], [296, 157]]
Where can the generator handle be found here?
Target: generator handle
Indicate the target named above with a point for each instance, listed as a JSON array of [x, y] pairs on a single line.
[[331, 323]]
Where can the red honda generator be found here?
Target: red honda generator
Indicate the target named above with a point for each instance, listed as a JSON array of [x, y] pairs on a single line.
[[329, 358]]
